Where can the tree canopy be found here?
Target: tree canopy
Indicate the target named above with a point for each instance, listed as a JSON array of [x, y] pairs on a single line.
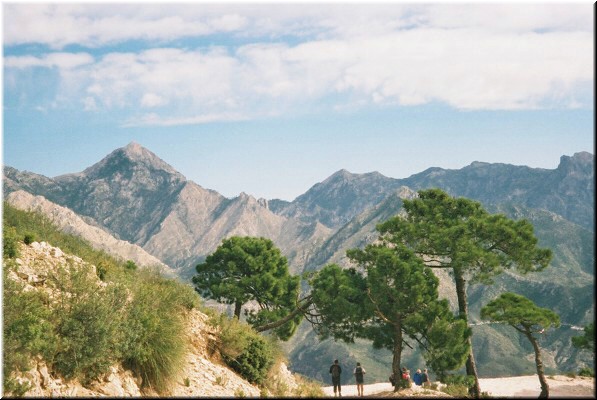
[[250, 269], [390, 296], [587, 340], [521, 313], [458, 234], [527, 318]]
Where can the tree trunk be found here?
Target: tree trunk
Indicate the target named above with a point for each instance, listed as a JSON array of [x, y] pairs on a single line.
[[237, 307], [471, 368], [397, 355], [280, 322], [539, 363]]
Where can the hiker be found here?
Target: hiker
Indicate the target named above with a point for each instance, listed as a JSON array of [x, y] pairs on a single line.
[[418, 378], [359, 372], [425, 378], [336, 370]]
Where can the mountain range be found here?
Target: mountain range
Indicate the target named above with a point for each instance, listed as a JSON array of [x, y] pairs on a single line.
[[138, 198]]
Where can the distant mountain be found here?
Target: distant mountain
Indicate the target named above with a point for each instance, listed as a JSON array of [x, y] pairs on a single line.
[[569, 190], [339, 198], [139, 198]]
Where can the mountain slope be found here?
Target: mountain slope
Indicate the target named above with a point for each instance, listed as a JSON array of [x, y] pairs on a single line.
[[340, 197], [69, 222]]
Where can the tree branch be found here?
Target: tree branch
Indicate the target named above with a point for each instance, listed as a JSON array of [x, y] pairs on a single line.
[[300, 309]]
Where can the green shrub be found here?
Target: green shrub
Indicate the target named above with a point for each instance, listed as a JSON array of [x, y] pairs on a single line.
[[27, 329], [255, 361], [29, 238], [154, 342], [89, 323], [457, 385], [307, 388], [586, 371], [10, 242], [15, 388], [243, 349], [136, 318], [130, 265]]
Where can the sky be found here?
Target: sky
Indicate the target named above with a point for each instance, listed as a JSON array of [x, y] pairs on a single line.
[[271, 98]]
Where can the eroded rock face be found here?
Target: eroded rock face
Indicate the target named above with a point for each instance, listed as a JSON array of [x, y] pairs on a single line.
[[202, 375]]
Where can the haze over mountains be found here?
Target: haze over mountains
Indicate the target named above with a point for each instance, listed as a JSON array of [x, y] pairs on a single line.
[[135, 196]]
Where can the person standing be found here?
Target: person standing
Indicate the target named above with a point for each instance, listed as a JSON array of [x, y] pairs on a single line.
[[336, 371], [359, 373], [425, 378]]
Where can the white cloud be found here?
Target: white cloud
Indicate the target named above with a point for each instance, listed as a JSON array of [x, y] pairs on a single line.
[[58, 25], [151, 100], [477, 57], [58, 60], [156, 120]]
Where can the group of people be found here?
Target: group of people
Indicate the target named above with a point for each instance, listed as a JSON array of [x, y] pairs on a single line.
[[359, 375], [419, 378]]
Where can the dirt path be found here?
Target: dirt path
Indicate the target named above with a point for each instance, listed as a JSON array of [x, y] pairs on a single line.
[[515, 386]]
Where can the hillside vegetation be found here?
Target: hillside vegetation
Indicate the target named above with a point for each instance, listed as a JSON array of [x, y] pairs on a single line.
[[83, 312]]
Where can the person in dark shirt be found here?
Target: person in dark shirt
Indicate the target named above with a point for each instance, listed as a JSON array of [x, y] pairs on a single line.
[[336, 371]]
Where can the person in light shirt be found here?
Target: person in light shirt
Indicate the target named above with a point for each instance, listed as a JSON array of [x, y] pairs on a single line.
[[359, 374]]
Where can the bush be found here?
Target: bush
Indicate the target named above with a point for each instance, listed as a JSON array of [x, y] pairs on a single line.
[[307, 388], [135, 318], [130, 265], [10, 243], [586, 371], [89, 320], [243, 349], [27, 329], [457, 385], [29, 238], [154, 343], [255, 361]]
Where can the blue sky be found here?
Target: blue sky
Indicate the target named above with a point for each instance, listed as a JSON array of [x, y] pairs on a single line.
[[271, 98]]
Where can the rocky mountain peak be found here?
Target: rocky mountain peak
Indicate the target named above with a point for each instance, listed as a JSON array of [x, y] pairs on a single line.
[[130, 157], [579, 165]]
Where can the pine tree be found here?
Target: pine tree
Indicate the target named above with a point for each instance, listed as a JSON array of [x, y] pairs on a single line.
[[527, 318], [459, 235], [390, 297], [244, 269]]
